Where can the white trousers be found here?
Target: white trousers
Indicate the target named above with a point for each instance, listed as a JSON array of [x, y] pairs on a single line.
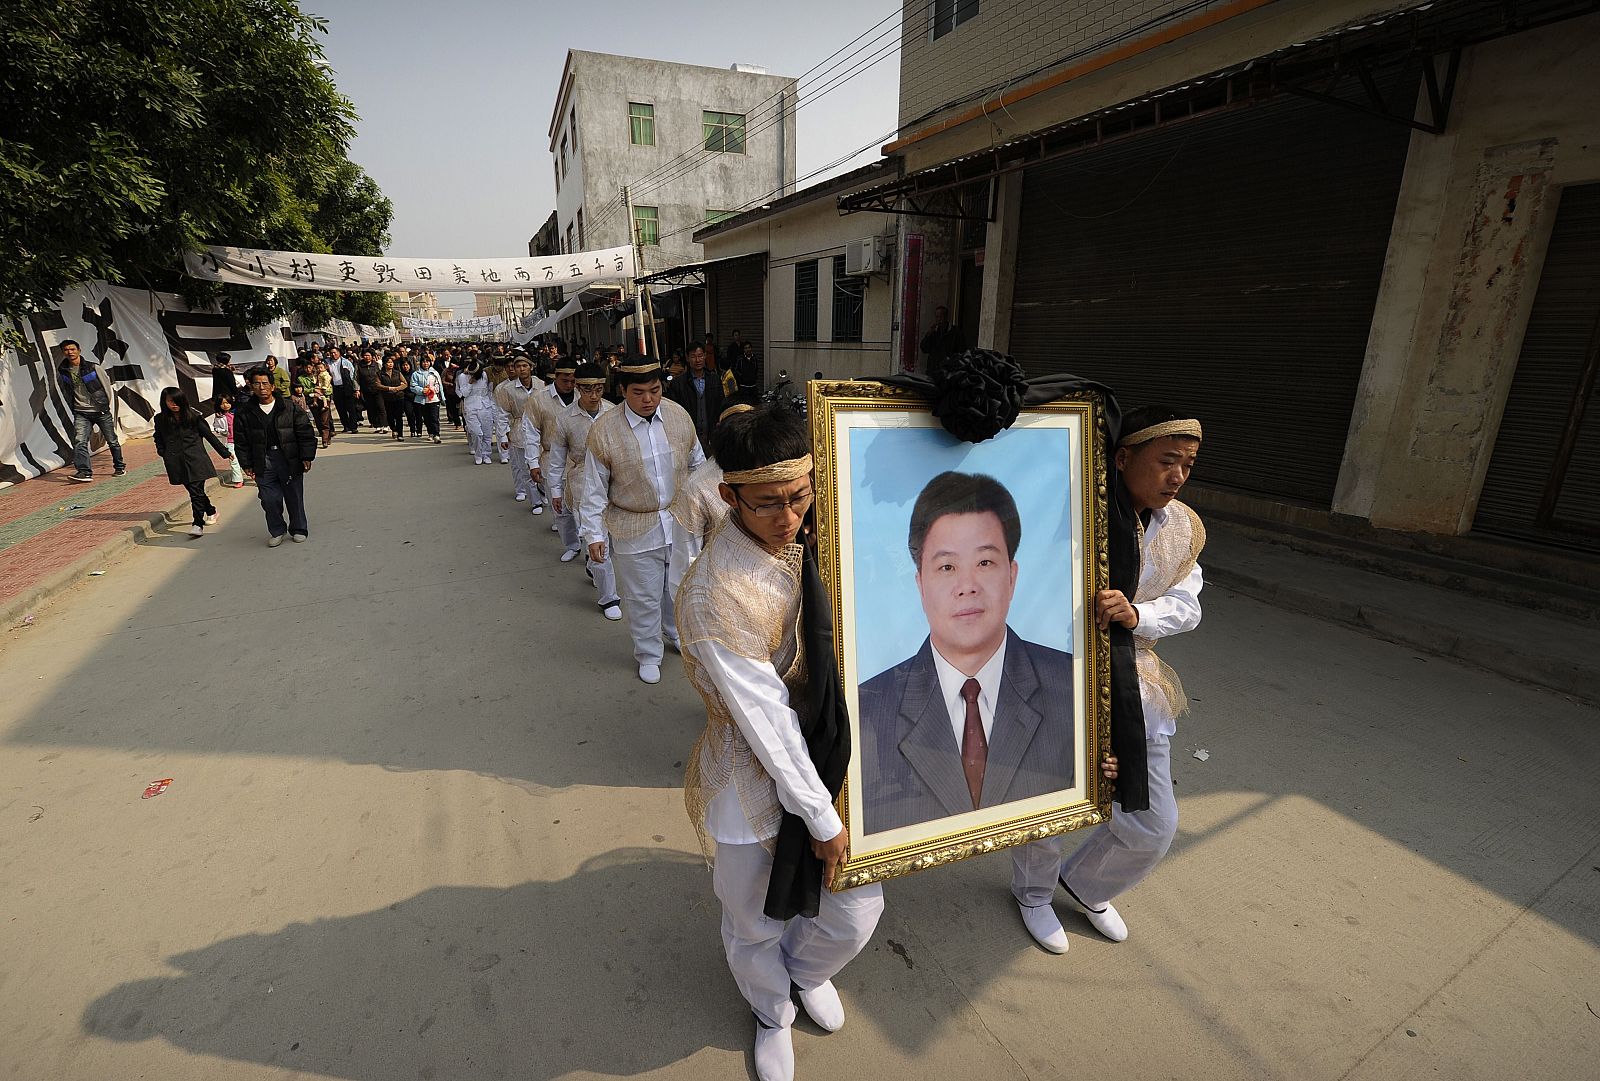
[[604, 576], [502, 429], [766, 955], [1115, 857], [567, 526], [521, 482], [642, 581], [480, 432]]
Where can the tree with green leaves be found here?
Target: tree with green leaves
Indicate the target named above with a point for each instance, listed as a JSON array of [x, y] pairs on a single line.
[[132, 131]]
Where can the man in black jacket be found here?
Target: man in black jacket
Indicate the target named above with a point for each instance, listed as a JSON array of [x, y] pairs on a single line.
[[699, 391], [90, 399], [275, 442]]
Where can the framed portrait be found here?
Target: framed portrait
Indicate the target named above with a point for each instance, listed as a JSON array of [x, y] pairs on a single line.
[[963, 577]]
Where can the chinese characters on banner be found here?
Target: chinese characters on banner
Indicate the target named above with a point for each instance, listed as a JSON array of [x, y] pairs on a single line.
[[487, 326], [392, 273]]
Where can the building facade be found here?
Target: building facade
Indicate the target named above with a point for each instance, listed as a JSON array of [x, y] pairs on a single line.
[[692, 144], [811, 288], [1358, 237]]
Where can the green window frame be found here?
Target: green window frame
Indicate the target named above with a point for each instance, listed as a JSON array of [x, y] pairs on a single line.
[[642, 123], [647, 224], [723, 132]]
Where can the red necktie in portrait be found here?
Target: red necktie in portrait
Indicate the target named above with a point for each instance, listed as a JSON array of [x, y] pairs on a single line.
[[974, 747]]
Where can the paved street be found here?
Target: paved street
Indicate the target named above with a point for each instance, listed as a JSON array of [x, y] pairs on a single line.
[[424, 823]]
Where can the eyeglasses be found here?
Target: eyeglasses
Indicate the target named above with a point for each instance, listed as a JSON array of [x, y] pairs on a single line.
[[800, 504]]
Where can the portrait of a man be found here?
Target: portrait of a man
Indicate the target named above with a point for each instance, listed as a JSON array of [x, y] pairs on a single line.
[[979, 716]]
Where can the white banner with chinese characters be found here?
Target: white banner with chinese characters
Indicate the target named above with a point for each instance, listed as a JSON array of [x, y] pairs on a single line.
[[487, 326], [393, 273]]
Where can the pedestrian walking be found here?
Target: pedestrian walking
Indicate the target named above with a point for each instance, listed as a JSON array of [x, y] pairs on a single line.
[[638, 458], [392, 383], [180, 436], [222, 428], [276, 447], [1154, 460], [224, 380], [413, 414], [280, 376], [509, 399], [86, 389], [448, 370], [477, 406], [760, 783], [315, 385], [427, 389], [367, 379], [342, 373]]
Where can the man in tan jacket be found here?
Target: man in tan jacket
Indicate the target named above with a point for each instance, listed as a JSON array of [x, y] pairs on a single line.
[[639, 456]]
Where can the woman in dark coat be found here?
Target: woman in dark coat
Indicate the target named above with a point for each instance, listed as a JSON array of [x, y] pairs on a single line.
[[392, 382], [179, 432]]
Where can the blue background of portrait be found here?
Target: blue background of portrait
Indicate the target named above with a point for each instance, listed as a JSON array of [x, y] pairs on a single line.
[[890, 466]]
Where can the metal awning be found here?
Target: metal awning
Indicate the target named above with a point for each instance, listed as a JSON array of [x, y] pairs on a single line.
[[1338, 68], [688, 273]]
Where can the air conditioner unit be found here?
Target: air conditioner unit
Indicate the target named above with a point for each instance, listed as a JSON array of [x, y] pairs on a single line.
[[868, 255]]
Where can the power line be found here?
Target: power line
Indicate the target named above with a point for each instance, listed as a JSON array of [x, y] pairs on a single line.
[[830, 80], [677, 160], [775, 191]]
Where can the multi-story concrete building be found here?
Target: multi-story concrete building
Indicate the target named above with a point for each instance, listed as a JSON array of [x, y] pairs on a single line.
[[692, 143], [1360, 237], [418, 306]]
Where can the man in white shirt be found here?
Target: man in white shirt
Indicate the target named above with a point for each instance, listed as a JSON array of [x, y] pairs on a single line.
[[509, 399], [539, 420], [565, 477], [345, 391], [762, 775], [1155, 458], [639, 456]]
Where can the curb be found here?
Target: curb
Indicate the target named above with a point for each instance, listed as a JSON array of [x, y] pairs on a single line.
[[13, 610], [1572, 680]]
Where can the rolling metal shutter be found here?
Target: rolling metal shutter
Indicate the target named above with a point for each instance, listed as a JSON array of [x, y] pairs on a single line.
[[738, 290], [1563, 333], [1227, 266]]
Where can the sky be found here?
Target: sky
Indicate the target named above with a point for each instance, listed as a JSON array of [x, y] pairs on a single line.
[[455, 100]]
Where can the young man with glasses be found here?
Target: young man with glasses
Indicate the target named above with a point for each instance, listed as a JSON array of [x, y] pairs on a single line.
[[639, 457], [762, 779]]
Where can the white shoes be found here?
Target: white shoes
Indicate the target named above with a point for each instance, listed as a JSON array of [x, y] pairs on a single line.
[[613, 612], [210, 519], [197, 531], [570, 554], [823, 1006], [555, 527], [1107, 920], [273, 542], [536, 509], [436, 439], [298, 538], [672, 642], [774, 1053], [1045, 927], [650, 673], [522, 497]]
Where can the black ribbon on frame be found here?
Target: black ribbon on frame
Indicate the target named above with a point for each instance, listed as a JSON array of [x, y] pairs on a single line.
[[795, 885], [976, 396]]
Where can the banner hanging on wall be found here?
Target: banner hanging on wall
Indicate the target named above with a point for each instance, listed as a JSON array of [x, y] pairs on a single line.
[[397, 274]]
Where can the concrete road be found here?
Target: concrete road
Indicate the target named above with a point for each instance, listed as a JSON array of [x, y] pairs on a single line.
[[424, 823]]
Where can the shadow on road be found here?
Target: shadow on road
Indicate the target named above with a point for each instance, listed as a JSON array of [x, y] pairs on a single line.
[[542, 980]]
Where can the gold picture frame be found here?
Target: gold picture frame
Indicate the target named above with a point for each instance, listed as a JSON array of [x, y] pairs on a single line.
[[864, 480]]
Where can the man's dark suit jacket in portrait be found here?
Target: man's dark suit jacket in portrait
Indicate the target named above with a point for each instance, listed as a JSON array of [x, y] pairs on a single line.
[[910, 756]]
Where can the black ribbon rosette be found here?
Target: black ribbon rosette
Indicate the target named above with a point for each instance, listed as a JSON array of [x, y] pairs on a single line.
[[978, 394]]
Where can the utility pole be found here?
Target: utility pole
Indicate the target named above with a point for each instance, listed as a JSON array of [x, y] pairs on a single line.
[[638, 261]]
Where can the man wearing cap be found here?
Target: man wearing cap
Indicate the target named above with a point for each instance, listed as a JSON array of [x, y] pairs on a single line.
[[566, 473], [639, 456], [509, 398], [1154, 459], [538, 430]]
